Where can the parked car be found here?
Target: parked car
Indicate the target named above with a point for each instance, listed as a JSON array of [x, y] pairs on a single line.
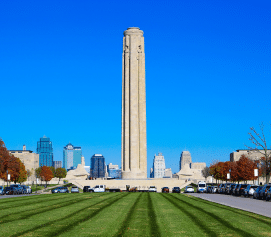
[[176, 190], [86, 189], [234, 191], [189, 189], [226, 188], [240, 190], [24, 188], [1, 190], [268, 194], [214, 189], [152, 189], [263, 191], [10, 190], [165, 190], [201, 187], [60, 190], [230, 189], [98, 189], [256, 194], [209, 189], [220, 188], [74, 189], [252, 189]]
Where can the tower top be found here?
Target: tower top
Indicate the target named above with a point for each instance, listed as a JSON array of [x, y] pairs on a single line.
[[133, 30]]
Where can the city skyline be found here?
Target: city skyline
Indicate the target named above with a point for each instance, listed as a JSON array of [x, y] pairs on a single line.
[[207, 67]]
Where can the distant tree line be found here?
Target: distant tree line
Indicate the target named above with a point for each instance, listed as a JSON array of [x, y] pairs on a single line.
[[241, 170]]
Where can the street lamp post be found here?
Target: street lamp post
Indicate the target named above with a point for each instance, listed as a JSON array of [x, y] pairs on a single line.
[[7, 178]]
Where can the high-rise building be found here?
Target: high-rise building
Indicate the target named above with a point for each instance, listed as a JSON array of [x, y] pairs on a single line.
[[185, 159], [159, 166], [45, 151], [71, 156], [134, 141], [113, 171], [98, 166], [57, 164]]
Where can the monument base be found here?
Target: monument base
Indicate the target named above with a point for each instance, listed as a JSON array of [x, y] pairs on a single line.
[[133, 175]]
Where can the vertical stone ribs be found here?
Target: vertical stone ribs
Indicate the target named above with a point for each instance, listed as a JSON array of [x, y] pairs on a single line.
[[134, 147]]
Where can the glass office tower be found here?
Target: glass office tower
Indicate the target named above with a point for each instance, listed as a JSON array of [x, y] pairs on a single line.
[[45, 151], [71, 156], [98, 166]]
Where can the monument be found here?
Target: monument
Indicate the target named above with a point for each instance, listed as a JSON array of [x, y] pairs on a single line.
[[134, 141]]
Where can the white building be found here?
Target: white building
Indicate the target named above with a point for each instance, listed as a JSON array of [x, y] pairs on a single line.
[[159, 166]]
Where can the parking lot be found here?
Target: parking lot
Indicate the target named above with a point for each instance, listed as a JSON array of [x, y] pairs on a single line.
[[261, 207]]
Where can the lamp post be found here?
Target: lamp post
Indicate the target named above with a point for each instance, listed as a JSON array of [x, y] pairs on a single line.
[[7, 178]]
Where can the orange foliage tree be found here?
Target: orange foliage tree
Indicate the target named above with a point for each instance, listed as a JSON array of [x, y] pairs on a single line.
[[46, 173], [13, 165], [246, 168]]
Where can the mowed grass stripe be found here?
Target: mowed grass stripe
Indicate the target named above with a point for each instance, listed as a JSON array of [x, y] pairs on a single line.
[[217, 223], [152, 217], [66, 224], [109, 221], [25, 212], [257, 217], [175, 220], [128, 216], [35, 222]]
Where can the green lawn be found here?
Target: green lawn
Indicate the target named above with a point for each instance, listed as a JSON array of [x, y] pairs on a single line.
[[125, 214]]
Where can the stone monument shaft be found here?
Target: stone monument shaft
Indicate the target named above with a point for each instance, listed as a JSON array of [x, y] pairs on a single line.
[[134, 142]]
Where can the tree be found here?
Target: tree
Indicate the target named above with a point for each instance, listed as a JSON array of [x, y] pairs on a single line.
[[246, 168], [260, 145], [206, 172], [46, 174], [11, 165], [61, 173], [37, 172], [22, 177], [52, 168]]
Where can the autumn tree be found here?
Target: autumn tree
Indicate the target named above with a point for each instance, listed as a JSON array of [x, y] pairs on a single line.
[[61, 173], [246, 168], [46, 174], [37, 172], [10, 164], [260, 145]]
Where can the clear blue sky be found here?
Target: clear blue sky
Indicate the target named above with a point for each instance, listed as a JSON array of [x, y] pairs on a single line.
[[207, 75]]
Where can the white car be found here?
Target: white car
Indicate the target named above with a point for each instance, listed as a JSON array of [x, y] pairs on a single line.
[[98, 189], [252, 190], [74, 189], [189, 189], [152, 189]]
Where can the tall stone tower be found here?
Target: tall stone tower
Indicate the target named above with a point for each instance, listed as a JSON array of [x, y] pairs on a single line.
[[134, 141]]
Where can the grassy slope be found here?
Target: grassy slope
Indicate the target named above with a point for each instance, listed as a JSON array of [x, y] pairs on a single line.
[[125, 214]]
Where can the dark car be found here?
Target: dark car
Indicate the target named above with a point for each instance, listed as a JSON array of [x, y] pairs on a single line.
[[268, 194], [209, 189], [165, 190], [230, 189], [176, 190], [86, 189], [227, 187], [246, 190], [256, 194], [18, 189], [221, 188], [263, 192], [10, 191], [234, 191], [241, 189]]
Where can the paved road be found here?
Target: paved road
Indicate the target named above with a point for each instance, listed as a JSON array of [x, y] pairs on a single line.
[[261, 207]]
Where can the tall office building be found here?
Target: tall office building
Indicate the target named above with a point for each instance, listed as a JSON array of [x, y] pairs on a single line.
[[71, 156], [159, 166], [113, 171], [185, 159], [98, 166], [45, 151], [57, 164]]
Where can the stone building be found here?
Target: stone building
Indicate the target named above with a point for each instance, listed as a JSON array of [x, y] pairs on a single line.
[[185, 159], [29, 159], [253, 155], [159, 166]]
